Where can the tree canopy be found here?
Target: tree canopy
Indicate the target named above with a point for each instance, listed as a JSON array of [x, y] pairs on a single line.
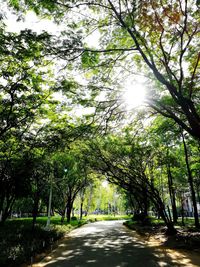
[[61, 104]]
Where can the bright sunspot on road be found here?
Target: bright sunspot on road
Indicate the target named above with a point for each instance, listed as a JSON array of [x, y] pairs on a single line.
[[134, 95]]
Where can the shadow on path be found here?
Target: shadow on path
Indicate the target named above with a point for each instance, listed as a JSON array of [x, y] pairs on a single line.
[[110, 244]]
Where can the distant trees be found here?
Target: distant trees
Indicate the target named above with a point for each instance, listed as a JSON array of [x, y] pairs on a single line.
[[149, 165], [126, 164], [70, 177]]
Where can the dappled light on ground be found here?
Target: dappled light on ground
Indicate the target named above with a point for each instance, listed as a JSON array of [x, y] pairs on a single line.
[[179, 257], [111, 244]]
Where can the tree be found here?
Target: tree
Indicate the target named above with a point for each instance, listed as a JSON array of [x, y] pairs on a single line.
[[14, 182], [191, 182], [23, 91], [160, 37], [39, 180], [125, 163], [23, 95], [162, 134], [70, 177], [176, 160]]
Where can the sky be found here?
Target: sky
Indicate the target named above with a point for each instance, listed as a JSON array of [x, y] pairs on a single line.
[[31, 22], [134, 90]]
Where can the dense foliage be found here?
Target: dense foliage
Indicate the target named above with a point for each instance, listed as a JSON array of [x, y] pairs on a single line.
[[65, 127]]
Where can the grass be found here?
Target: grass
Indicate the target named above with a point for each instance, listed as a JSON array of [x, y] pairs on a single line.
[[187, 237], [18, 243], [100, 217], [154, 222], [189, 221]]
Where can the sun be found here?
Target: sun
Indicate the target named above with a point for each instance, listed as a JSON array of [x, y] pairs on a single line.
[[134, 95], [105, 183]]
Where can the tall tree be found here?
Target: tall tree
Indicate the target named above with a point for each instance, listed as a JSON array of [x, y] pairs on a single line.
[[23, 89], [161, 37], [191, 182], [125, 162], [70, 177], [170, 140]]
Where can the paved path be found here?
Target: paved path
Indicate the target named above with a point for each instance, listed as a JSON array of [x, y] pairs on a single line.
[[110, 244]]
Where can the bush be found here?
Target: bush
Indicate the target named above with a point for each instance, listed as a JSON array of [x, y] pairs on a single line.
[[141, 218], [74, 218], [18, 242]]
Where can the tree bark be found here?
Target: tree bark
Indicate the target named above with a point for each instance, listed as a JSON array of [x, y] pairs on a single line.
[[6, 211], [89, 199], [172, 194], [81, 210], [35, 210], [191, 182], [69, 210], [182, 212], [62, 218]]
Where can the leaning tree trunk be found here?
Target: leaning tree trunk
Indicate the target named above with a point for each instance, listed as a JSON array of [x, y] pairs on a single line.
[[166, 218], [6, 208], [191, 183], [89, 199], [132, 201], [82, 194], [81, 210], [154, 196], [145, 202]]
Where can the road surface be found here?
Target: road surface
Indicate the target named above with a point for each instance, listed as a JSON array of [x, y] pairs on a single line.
[[110, 244]]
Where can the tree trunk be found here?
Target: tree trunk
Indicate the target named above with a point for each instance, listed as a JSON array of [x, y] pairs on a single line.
[[198, 190], [160, 207], [145, 202], [191, 183], [82, 194], [69, 210], [35, 210], [170, 229], [89, 199], [62, 218], [154, 196], [6, 211], [172, 194], [81, 210], [1, 206], [182, 212], [170, 226]]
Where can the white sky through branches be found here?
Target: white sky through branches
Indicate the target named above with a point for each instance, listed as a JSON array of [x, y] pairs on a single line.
[[133, 95]]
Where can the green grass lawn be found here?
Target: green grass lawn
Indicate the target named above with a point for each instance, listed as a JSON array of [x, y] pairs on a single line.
[[100, 217], [189, 223], [18, 242]]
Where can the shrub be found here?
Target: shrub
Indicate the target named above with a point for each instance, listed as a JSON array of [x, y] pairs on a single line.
[[18, 242], [74, 218]]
